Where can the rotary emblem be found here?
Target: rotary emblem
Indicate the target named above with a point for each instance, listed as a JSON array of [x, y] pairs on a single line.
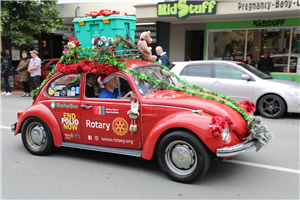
[[120, 126]]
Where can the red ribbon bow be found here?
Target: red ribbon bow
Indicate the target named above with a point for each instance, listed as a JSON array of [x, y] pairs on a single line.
[[142, 39], [104, 12]]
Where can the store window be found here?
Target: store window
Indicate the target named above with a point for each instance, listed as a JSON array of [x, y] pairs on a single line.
[[227, 45], [296, 40]]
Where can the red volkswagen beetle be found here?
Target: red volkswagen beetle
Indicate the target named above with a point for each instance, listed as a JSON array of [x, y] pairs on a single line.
[[179, 127]]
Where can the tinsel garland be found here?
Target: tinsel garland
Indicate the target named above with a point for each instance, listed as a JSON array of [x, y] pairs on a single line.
[[234, 105], [36, 91], [92, 61]]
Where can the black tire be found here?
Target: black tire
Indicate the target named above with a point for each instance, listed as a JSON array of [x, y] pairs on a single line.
[[183, 157], [271, 106], [37, 137]]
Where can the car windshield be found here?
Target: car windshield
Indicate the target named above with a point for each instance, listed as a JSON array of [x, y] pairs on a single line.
[[146, 87], [255, 71]]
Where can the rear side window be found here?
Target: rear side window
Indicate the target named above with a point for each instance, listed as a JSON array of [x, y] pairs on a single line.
[[51, 65], [65, 86], [44, 63], [197, 70]]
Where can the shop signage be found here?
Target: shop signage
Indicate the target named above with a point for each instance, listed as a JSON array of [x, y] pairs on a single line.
[[64, 29], [268, 23], [182, 9], [268, 5]]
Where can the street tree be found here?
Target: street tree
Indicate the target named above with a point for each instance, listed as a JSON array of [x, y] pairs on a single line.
[[22, 20]]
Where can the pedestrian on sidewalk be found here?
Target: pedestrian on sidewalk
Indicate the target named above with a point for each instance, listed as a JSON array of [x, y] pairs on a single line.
[[34, 69], [24, 75], [266, 64], [5, 72], [162, 57]]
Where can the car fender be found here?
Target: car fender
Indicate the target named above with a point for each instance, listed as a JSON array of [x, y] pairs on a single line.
[[42, 112], [196, 123]]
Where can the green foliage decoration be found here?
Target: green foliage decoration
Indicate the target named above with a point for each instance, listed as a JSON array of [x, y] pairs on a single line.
[[91, 55]]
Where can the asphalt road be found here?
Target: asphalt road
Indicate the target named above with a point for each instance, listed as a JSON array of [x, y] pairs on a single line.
[[271, 173]]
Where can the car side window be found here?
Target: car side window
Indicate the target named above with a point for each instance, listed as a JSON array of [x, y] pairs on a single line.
[[227, 72], [67, 85], [124, 85], [44, 63], [51, 65], [199, 70], [184, 71]]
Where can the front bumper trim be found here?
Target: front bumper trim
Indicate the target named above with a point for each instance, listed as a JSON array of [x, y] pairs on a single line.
[[236, 149], [13, 127]]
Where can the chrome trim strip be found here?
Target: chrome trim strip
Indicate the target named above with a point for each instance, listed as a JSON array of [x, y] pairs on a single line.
[[236, 149], [128, 152]]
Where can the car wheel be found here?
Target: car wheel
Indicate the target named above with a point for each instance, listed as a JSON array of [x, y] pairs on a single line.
[[271, 106], [183, 157], [37, 137]]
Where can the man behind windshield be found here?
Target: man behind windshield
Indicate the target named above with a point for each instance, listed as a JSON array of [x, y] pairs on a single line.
[[110, 90]]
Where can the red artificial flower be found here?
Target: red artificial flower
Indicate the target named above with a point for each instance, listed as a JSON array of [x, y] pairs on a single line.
[[20, 81], [215, 130], [16, 76], [1, 78], [248, 106], [17, 83], [220, 122]]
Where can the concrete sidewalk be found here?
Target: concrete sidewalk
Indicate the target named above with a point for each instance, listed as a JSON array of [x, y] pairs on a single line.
[[15, 95]]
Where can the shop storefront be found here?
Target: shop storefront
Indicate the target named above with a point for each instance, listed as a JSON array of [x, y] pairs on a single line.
[[230, 30], [235, 40]]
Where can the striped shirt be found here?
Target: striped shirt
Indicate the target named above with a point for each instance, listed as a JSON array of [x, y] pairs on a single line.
[[35, 62]]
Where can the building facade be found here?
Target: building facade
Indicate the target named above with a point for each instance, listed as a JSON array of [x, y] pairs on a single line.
[[230, 30]]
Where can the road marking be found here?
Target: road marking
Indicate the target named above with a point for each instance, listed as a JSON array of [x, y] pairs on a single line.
[[5, 127], [239, 162], [263, 166]]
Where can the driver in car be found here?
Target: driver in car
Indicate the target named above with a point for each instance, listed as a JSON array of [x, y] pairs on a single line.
[[110, 90]]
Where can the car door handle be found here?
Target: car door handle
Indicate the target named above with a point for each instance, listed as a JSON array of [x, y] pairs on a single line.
[[217, 82], [86, 106]]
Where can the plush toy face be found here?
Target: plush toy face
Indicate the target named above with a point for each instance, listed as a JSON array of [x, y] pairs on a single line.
[[71, 45], [146, 36]]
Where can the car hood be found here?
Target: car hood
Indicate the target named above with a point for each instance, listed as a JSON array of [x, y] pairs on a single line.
[[281, 83], [183, 100]]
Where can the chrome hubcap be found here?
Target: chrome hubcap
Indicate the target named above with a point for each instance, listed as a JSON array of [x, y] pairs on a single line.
[[35, 135], [181, 157]]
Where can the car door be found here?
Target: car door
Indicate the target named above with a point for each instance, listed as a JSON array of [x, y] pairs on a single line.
[[64, 102], [105, 122], [228, 80], [198, 74]]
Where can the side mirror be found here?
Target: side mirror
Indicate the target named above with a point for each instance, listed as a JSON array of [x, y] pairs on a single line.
[[246, 77]]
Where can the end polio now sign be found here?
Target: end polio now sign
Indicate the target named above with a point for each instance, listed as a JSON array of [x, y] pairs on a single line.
[[182, 9]]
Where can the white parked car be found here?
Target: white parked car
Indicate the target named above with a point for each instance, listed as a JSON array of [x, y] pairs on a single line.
[[272, 97]]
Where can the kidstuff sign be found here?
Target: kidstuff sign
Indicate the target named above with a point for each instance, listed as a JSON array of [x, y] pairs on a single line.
[[182, 9]]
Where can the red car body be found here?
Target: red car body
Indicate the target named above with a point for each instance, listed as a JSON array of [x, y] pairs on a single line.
[[47, 66], [81, 122]]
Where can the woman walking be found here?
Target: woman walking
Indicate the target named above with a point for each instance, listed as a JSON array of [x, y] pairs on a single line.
[[5, 73], [24, 75]]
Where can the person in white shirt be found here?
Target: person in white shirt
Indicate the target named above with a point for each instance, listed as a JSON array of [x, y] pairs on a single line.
[[34, 69]]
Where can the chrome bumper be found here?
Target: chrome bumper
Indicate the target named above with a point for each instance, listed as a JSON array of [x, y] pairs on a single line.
[[237, 149], [13, 127]]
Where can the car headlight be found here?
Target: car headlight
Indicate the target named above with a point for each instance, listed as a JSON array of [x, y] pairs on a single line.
[[225, 134], [295, 90]]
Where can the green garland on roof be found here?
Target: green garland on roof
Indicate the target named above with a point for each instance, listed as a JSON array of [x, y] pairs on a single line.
[[91, 54], [198, 88]]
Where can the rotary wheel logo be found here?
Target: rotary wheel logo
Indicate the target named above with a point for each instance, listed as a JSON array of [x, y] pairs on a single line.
[[120, 126]]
